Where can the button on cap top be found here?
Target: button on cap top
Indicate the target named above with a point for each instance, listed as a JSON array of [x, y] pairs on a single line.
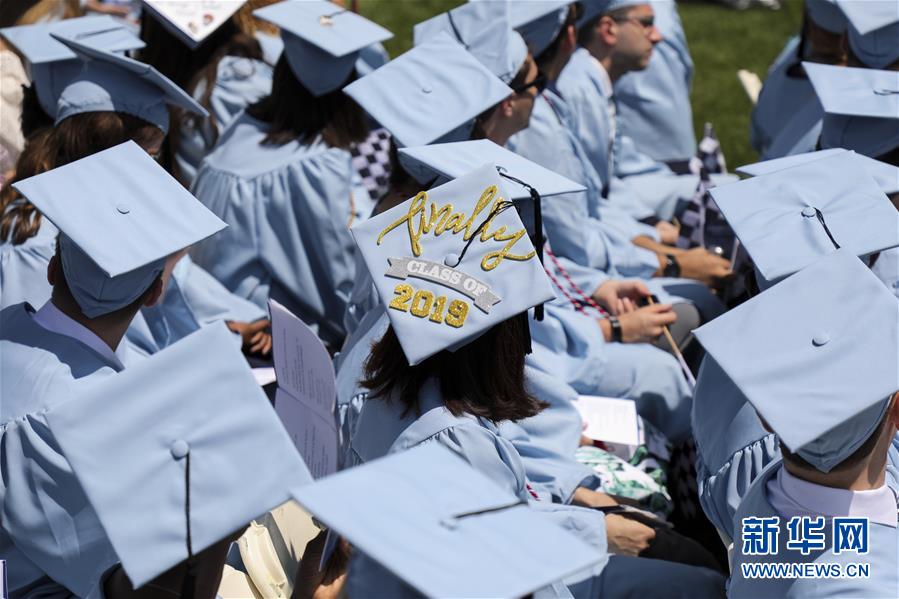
[[451, 259], [808, 212], [123, 208], [820, 339], [179, 449]]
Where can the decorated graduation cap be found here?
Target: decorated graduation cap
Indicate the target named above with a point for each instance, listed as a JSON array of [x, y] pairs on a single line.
[[874, 30], [886, 175], [192, 22], [524, 180], [116, 83], [826, 14], [451, 263], [538, 21], [595, 8], [433, 91], [456, 521], [51, 64], [120, 215], [483, 29], [788, 218], [861, 106], [169, 451], [322, 40], [817, 356]]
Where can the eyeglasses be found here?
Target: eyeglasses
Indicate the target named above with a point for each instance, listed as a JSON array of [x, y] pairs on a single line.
[[539, 82], [646, 22]]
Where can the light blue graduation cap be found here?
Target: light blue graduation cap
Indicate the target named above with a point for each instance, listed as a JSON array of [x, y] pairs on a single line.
[[177, 451], [51, 65], [886, 175], [115, 83], [861, 106], [595, 8], [816, 356], [451, 263], [452, 160], [322, 40], [875, 30], [826, 14], [433, 91], [483, 29], [444, 528], [538, 21], [788, 218], [120, 215], [192, 22]]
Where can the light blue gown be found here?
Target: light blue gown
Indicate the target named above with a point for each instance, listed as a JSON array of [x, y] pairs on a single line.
[[192, 299], [732, 446], [239, 82], [654, 104], [51, 538], [787, 118], [383, 428], [883, 557], [288, 208], [649, 187], [578, 225]]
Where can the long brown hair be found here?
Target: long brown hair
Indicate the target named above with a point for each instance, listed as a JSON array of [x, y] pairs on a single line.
[[294, 113], [484, 378], [76, 137], [191, 69]]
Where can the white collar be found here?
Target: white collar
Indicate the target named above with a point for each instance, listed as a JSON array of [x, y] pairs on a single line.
[[791, 496], [53, 319]]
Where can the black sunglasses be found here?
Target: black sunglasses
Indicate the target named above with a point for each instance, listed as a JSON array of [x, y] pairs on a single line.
[[539, 82]]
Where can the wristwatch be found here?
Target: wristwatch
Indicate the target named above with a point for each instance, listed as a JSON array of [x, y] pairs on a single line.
[[672, 268], [616, 328]]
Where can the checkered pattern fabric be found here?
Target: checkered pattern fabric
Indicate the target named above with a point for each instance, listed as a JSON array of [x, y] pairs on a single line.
[[702, 224], [371, 159]]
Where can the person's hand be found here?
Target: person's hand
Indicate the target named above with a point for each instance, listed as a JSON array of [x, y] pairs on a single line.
[[668, 232], [702, 265], [313, 583], [644, 325], [585, 497], [627, 537], [256, 337], [619, 296]]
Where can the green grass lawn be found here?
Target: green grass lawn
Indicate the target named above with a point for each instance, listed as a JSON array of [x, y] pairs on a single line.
[[721, 42]]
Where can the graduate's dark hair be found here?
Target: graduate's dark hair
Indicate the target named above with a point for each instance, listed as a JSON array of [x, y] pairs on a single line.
[[191, 69], [295, 113], [74, 138], [33, 117], [549, 54], [485, 378]]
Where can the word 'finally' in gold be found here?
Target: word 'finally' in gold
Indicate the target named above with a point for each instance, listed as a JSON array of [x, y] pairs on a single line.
[[422, 219]]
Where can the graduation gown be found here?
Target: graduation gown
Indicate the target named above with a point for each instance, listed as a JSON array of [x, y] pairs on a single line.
[[883, 558], [579, 225], [732, 446], [51, 537], [192, 298], [887, 269], [239, 82], [782, 98], [654, 104], [288, 208], [383, 429], [650, 188]]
